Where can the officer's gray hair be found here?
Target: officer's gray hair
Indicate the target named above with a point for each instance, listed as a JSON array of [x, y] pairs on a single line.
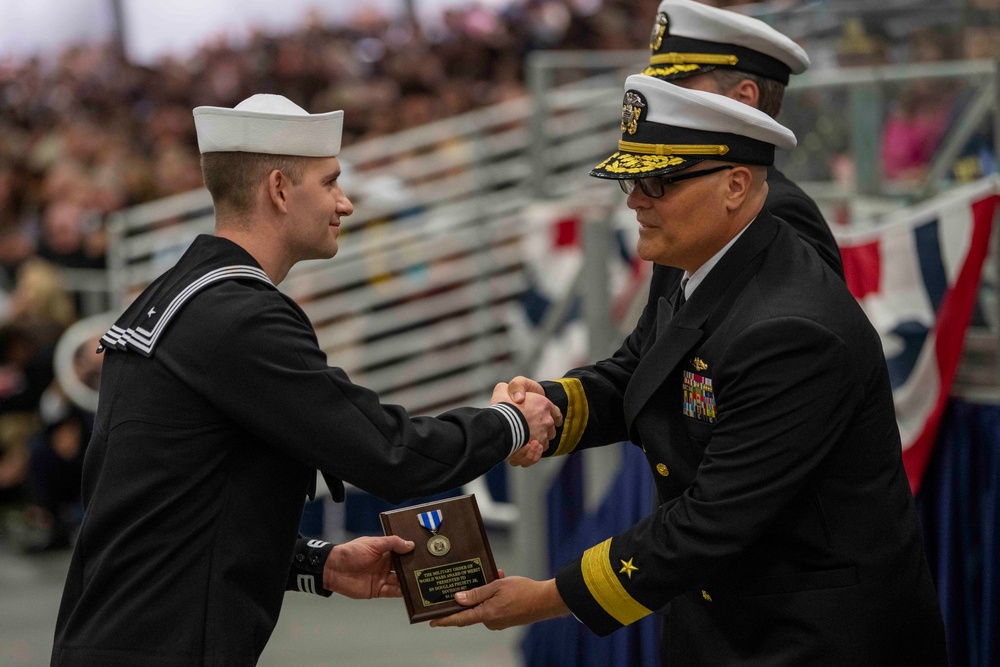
[[771, 92]]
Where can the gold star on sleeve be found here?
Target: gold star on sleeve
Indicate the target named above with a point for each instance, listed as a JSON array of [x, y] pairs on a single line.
[[628, 568], [606, 587]]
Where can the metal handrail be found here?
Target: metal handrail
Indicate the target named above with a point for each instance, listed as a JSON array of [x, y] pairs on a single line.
[[465, 201]]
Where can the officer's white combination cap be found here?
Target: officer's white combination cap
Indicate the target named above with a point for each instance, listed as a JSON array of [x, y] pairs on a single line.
[[666, 128], [690, 38], [269, 124]]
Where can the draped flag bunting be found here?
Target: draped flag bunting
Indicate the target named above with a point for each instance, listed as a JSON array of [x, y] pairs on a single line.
[[917, 278]]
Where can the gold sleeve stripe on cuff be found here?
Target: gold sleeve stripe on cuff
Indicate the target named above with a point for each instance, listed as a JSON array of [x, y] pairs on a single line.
[[603, 584], [672, 149], [674, 58], [575, 419]]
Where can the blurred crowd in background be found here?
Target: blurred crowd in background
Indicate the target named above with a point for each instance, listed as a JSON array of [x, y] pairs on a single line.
[[89, 133]]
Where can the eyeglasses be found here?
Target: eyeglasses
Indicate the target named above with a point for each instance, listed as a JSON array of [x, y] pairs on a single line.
[[655, 186]]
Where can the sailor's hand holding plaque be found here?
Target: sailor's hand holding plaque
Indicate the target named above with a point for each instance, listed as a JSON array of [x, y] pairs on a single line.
[[452, 554]]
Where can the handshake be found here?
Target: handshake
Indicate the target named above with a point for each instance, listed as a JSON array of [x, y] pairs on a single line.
[[361, 568], [542, 415]]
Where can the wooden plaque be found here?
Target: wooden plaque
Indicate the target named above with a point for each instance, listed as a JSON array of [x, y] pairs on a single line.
[[454, 557]]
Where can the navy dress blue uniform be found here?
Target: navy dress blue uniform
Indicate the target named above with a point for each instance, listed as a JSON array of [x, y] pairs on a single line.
[[217, 407], [786, 522], [786, 532], [788, 201]]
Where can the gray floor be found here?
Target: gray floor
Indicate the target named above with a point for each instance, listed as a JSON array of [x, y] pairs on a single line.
[[312, 632]]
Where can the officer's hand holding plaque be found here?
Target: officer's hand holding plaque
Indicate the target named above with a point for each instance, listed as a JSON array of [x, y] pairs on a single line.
[[452, 554]]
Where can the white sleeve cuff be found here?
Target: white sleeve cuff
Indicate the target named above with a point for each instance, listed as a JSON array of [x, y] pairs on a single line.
[[518, 432]]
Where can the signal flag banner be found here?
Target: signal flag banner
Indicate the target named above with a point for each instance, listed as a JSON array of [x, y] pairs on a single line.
[[917, 277]]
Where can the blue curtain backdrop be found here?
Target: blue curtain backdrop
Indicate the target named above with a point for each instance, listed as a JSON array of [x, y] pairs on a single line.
[[564, 642], [959, 507]]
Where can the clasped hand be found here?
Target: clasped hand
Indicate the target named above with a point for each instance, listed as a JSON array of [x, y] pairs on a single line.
[[542, 415]]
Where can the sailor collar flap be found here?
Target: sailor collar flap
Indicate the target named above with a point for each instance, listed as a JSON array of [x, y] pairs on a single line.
[[206, 263]]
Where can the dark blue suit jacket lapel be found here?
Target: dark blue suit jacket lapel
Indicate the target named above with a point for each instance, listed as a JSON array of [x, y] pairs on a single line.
[[677, 335]]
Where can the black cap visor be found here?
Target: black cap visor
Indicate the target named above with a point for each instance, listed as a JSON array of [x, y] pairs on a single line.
[[624, 165]]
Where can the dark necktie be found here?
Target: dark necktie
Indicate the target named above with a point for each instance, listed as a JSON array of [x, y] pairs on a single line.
[[680, 299]]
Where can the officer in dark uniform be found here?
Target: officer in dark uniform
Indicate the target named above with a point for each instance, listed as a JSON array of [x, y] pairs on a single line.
[[719, 51], [217, 408], [786, 533]]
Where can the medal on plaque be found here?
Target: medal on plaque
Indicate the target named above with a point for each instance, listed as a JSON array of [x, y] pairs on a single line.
[[429, 578], [439, 545]]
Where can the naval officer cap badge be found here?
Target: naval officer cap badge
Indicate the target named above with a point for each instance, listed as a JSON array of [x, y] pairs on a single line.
[[691, 38], [660, 28], [666, 128], [632, 107]]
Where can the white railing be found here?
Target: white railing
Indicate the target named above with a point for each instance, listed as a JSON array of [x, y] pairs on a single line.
[[422, 303]]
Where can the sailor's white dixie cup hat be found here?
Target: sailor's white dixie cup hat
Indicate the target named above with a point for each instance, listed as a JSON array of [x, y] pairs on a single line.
[[269, 124], [690, 38], [666, 128]]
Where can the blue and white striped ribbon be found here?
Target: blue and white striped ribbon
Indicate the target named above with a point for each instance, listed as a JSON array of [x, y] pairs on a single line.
[[430, 520]]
